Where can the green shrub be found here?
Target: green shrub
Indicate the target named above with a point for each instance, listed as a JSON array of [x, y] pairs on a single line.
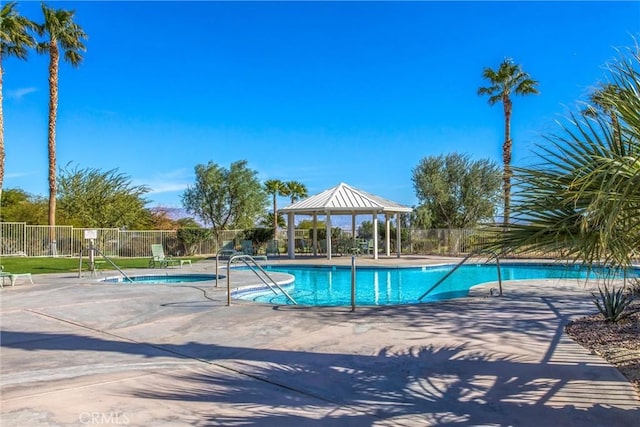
[[259, 236], [189, 238], [612, 303]]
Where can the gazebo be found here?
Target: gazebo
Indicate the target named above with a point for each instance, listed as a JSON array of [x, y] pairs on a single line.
[[344, 200]]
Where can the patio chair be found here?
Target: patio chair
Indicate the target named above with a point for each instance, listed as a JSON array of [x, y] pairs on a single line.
[[272, 248], [354, 247], [228, 249], [302, 245], [368, 247], [159, 257], [247, 247]]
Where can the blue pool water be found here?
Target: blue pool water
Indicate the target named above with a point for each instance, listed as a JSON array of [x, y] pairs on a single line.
[[162, 279], [331, 286]]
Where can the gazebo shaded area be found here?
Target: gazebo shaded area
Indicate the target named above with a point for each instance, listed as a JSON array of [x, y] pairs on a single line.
[[344, 200]]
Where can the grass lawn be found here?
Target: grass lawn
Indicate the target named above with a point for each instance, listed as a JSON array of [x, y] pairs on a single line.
[[63, 265]]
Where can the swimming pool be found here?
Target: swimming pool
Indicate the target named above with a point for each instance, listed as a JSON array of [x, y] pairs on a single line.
[[162, 279], [331, 285]]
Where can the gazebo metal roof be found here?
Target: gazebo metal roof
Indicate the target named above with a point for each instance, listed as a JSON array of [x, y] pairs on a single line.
[[344, 199]]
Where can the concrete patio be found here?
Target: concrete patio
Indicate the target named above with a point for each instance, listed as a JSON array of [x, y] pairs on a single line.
[[76, 352]]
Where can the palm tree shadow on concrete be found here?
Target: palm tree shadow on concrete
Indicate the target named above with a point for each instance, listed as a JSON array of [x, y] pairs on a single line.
[[545, 322], [420, 385], [423, 383]]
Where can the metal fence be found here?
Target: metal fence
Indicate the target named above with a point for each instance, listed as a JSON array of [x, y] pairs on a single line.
[[20, 239], [446, 241]]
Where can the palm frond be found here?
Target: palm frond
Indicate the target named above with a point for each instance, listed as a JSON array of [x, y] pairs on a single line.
[[582, 197]]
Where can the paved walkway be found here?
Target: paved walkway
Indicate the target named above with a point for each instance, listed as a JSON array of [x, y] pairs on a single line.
[[77, 353]]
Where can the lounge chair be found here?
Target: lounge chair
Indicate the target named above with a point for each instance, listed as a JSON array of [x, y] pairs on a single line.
[[272, 248], [13, 277], [337, 248], [227, 249], [304, 246], [368, 248], [247, 247], [159, 258]]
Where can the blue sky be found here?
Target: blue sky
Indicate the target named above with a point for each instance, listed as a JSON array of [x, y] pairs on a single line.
[[318, 92]]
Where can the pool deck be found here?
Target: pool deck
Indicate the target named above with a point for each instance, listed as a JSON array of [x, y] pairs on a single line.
[[76, 352]]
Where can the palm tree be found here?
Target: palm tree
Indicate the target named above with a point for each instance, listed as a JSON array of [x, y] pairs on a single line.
[[583, 197], [295, 190], [508, 79], [15, 40], [276, 188], [268, 220], [601, 101], [62, 32]]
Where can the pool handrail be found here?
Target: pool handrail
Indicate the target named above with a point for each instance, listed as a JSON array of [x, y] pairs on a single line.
[[225, 252], [246, 258], [112, 263], [473, 253]]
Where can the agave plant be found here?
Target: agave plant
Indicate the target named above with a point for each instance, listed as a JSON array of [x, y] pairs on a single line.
[[582, 198], [612, 303]]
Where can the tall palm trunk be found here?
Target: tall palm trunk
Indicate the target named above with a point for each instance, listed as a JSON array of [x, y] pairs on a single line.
[[508, 80], [506, 158], [1, 133], [53, 114]]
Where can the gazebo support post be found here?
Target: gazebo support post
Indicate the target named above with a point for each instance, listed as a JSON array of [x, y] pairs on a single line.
[[328, 239], [291, 236], [387, 234], [398, 234], [375, 235], [315, 234]]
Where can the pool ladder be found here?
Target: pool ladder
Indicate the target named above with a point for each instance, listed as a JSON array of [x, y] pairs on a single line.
[[474, 253], [250, 262]]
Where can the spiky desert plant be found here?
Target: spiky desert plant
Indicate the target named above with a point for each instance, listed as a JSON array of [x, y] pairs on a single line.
[[612, 303]]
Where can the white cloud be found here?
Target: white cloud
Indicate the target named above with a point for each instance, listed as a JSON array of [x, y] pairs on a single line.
[[18, 94], [17, 174], [167, 187], [167, 182]]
